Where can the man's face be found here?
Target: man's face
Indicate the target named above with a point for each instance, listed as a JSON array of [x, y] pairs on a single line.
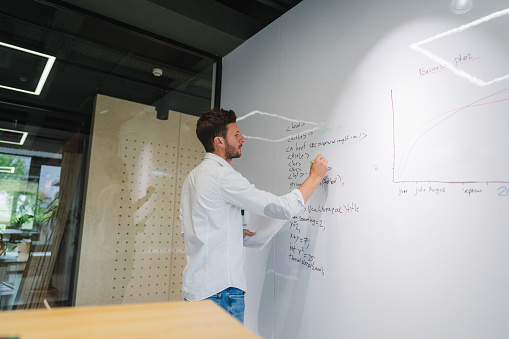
[[233, 141]]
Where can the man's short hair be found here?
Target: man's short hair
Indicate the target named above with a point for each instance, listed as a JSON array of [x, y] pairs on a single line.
[[212, 123]]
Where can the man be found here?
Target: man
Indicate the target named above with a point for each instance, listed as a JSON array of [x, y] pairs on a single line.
[[212, 198]]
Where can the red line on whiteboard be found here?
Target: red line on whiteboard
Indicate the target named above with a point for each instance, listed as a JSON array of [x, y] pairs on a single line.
[[393, 139]]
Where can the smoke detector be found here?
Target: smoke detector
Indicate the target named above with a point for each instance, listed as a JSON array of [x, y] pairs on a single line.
[[157, 72]]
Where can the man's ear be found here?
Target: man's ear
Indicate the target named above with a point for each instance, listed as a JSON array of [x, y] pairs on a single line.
[[218, 142]]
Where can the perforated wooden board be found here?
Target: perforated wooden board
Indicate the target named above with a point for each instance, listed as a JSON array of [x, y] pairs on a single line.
[[191, 153], [131, 248]]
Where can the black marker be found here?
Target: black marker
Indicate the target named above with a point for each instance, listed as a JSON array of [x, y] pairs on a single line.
[[243, 218]]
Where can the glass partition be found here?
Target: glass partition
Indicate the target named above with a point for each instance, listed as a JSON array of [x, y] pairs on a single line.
[[40, 206], [44, 131]]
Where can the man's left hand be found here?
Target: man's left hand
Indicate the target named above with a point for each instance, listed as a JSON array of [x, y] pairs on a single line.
[[248, 232]]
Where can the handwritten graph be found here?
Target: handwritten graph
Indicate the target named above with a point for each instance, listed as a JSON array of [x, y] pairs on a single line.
[[464, 139]]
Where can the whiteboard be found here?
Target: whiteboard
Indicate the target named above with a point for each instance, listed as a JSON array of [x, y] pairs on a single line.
[[408, 236]]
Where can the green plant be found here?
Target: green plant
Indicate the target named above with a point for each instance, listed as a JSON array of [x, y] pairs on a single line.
[[18, 222]]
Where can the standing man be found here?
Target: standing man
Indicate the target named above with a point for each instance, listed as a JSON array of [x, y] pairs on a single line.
[[211, 223]]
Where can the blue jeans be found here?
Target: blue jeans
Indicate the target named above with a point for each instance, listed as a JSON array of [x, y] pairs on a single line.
[[232, 300]]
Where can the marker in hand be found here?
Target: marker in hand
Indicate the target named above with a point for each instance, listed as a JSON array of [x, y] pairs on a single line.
[[244, 225], [319, 164]]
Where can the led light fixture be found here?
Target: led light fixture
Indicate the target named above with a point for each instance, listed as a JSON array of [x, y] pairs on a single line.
[[9, 136], [418, 46], [47, 68], [461, 6], [4, 169]]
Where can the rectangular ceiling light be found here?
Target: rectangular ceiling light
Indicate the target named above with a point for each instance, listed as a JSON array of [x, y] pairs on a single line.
[[9, 136], [47, 68], [4, 169]]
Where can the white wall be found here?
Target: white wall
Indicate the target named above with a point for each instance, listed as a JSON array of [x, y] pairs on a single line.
[[408, 237]]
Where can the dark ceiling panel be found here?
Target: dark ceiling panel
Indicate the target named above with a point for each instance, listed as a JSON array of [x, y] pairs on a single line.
[[97, 53], [241, 19], [97, 57], [264, 12]]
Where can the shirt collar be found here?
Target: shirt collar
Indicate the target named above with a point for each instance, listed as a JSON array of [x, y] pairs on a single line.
[[217, 158]]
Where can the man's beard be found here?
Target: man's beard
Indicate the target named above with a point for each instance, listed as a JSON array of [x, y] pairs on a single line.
[[231, 152]]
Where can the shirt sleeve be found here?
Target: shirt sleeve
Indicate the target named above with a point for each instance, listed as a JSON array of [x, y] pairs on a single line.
[[238, 191]]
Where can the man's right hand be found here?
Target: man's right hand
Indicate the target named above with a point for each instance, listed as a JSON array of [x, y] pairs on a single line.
[[319, 167], [317, 172]]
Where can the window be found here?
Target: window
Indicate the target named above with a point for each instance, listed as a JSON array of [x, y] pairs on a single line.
[[40, 207]]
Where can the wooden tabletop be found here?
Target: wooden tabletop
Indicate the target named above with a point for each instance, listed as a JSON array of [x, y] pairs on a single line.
[[202, 319]]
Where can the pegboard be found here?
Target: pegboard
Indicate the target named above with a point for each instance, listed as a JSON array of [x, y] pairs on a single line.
[[131, 247], [191, 153]]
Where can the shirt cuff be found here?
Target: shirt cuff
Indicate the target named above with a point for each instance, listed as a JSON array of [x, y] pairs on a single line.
[[299, 196]]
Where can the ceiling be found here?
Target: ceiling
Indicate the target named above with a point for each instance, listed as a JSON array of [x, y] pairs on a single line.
[[213, 26], [111, 47]]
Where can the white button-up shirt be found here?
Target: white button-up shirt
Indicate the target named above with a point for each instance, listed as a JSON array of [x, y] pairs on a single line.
[[211, 224]]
